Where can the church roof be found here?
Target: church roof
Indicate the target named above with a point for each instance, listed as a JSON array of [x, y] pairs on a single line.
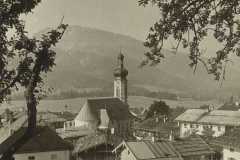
[[115, 109]]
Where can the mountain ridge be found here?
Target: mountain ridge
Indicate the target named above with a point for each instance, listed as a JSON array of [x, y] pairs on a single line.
[[86, 58]]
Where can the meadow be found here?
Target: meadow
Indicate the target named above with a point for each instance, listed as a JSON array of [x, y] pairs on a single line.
[[75, 104]]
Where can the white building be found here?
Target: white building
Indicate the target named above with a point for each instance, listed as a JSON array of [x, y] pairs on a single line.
[[200, 121], [230, 144], [44, 144]]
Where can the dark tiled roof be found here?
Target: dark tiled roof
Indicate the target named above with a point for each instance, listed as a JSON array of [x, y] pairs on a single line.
[[94, 140], [43, 118], [192, 146], [43, 139], [116, 109], [169, 150], [146, 150], [158, 127], [230, 139]]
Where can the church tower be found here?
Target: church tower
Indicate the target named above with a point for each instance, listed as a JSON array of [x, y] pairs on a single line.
[[120, 79]]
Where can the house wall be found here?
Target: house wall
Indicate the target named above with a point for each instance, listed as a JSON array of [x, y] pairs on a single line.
[[228, 154], [127, 155], [55, 155], [188, 128]]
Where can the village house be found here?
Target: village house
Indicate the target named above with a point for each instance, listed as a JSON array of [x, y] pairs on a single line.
[[200, 121], [192, 148], [229, 143], [158, 127], [44, 143], [43, 119]]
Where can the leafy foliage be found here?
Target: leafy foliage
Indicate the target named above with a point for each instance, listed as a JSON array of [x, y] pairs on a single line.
[[32, 57], [189, 22], [158, 108]]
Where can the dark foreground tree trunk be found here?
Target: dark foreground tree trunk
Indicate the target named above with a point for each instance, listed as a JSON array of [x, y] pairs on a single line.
[[32, 122]]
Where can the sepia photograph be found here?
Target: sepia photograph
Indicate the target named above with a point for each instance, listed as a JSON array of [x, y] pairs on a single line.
[[119, 79]]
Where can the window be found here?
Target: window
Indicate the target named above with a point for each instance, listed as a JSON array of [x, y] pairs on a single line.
[[219, 128], [197, 126], [53, 157], [185, 125], [31, 158]]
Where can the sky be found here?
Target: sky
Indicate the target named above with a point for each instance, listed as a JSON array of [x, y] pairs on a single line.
[[118, 16]]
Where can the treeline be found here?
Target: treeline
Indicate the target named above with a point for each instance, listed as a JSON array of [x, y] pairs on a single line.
[[75, 94], [106, 92]]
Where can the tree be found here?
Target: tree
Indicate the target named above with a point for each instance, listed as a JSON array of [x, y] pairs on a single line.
[[189, 22], [32, 58], [159, 108]]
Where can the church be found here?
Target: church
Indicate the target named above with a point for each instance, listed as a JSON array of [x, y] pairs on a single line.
[[109, 113]]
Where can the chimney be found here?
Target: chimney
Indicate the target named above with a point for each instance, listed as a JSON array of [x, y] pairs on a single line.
[[210, 108]]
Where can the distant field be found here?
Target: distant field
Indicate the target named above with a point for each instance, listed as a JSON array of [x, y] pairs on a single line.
[[76, 103]]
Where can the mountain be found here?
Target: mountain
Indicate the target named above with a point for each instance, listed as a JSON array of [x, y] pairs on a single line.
[[86, 58]]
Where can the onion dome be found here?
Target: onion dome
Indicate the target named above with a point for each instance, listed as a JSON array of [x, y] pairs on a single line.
[[120, 71]]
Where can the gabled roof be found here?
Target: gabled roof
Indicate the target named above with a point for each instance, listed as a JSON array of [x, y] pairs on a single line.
[[191, 115], [43, 139], [168, 150], [224, 117], [146, 150], [95, 139], [219, 117], [116, 109], [42, 119], [192, 146]]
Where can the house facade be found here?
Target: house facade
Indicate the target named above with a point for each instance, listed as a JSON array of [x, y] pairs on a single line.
[[51, 155], [44, 143], [204, 121]]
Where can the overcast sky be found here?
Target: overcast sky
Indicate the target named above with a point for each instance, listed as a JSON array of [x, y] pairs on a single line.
[[119, 16]]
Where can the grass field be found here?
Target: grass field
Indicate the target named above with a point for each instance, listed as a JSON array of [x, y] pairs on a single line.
[[76, 104]]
